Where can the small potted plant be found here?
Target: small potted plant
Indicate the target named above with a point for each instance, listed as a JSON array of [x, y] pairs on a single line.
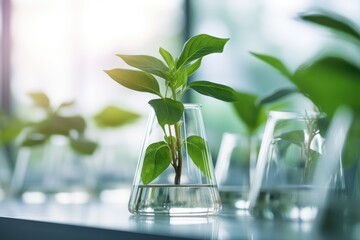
[[175, 171]]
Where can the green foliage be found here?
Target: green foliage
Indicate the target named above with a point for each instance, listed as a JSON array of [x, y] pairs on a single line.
[[10, 128], [214, 90], [157, 159], [57, 124], [112, 116], [328, 81], [197, 151], [274, 62], [135, 80], [167, 111], [332, 21], [169, 107], [248, 111]]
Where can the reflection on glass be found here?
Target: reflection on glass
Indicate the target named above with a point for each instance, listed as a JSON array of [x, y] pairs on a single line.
[[193, 227]]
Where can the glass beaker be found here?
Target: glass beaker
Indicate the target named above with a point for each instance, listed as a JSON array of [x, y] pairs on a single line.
[[52, 171], [175, 175], [290, 150], [235, 166]]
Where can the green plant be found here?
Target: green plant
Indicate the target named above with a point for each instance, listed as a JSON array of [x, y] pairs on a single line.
[[168, 106], [10, 128], [55, 123], [113, 117], [329, 81]]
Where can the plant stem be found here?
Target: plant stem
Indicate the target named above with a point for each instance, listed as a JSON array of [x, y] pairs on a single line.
[[179, 155], [311, 125]]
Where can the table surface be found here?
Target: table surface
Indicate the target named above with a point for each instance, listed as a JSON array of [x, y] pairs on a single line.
[[111, 220]]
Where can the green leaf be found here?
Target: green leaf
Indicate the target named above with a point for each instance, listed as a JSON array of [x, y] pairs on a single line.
[[167, 111], [113, 116], [200, 46], [157, 159], [198, 153], [83, 146], [181, 79], [40, 99], [333, 22], [59, 125], [214, 90], [167, 57], [296, 137], [146, 63], [66, 104], [247, 110], [34, 139], [330, 82], [135, 80], [11, 131], [274, 62], [277, 95], [193, 67]]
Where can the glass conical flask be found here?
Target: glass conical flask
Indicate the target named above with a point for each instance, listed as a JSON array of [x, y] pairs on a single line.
[[291, 149], [177, 177]]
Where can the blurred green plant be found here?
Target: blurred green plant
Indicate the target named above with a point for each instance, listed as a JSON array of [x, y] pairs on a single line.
[[329, 81], [55, 123], [10, 128], [113, 117]]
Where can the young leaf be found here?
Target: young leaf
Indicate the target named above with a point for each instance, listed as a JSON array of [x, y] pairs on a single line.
[[40, 99], [157, 159], [214, 90], [135, 80], [332, 21], [197, 150], [83, 146], [181, 79], [200, 46], [167, 57], [274, 62], [277, 95], [296, 137], [113, 116], [247, 110], [167, 111], [146, 63], [193, 67]]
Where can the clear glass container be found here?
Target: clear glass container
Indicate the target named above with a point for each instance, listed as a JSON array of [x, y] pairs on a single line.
[[291, 149], [187, 185], [53, 171], [234, 169]]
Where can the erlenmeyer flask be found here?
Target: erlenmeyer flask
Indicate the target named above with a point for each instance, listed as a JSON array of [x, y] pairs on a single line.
[[235, 166], [175, 175], [289, 153]]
